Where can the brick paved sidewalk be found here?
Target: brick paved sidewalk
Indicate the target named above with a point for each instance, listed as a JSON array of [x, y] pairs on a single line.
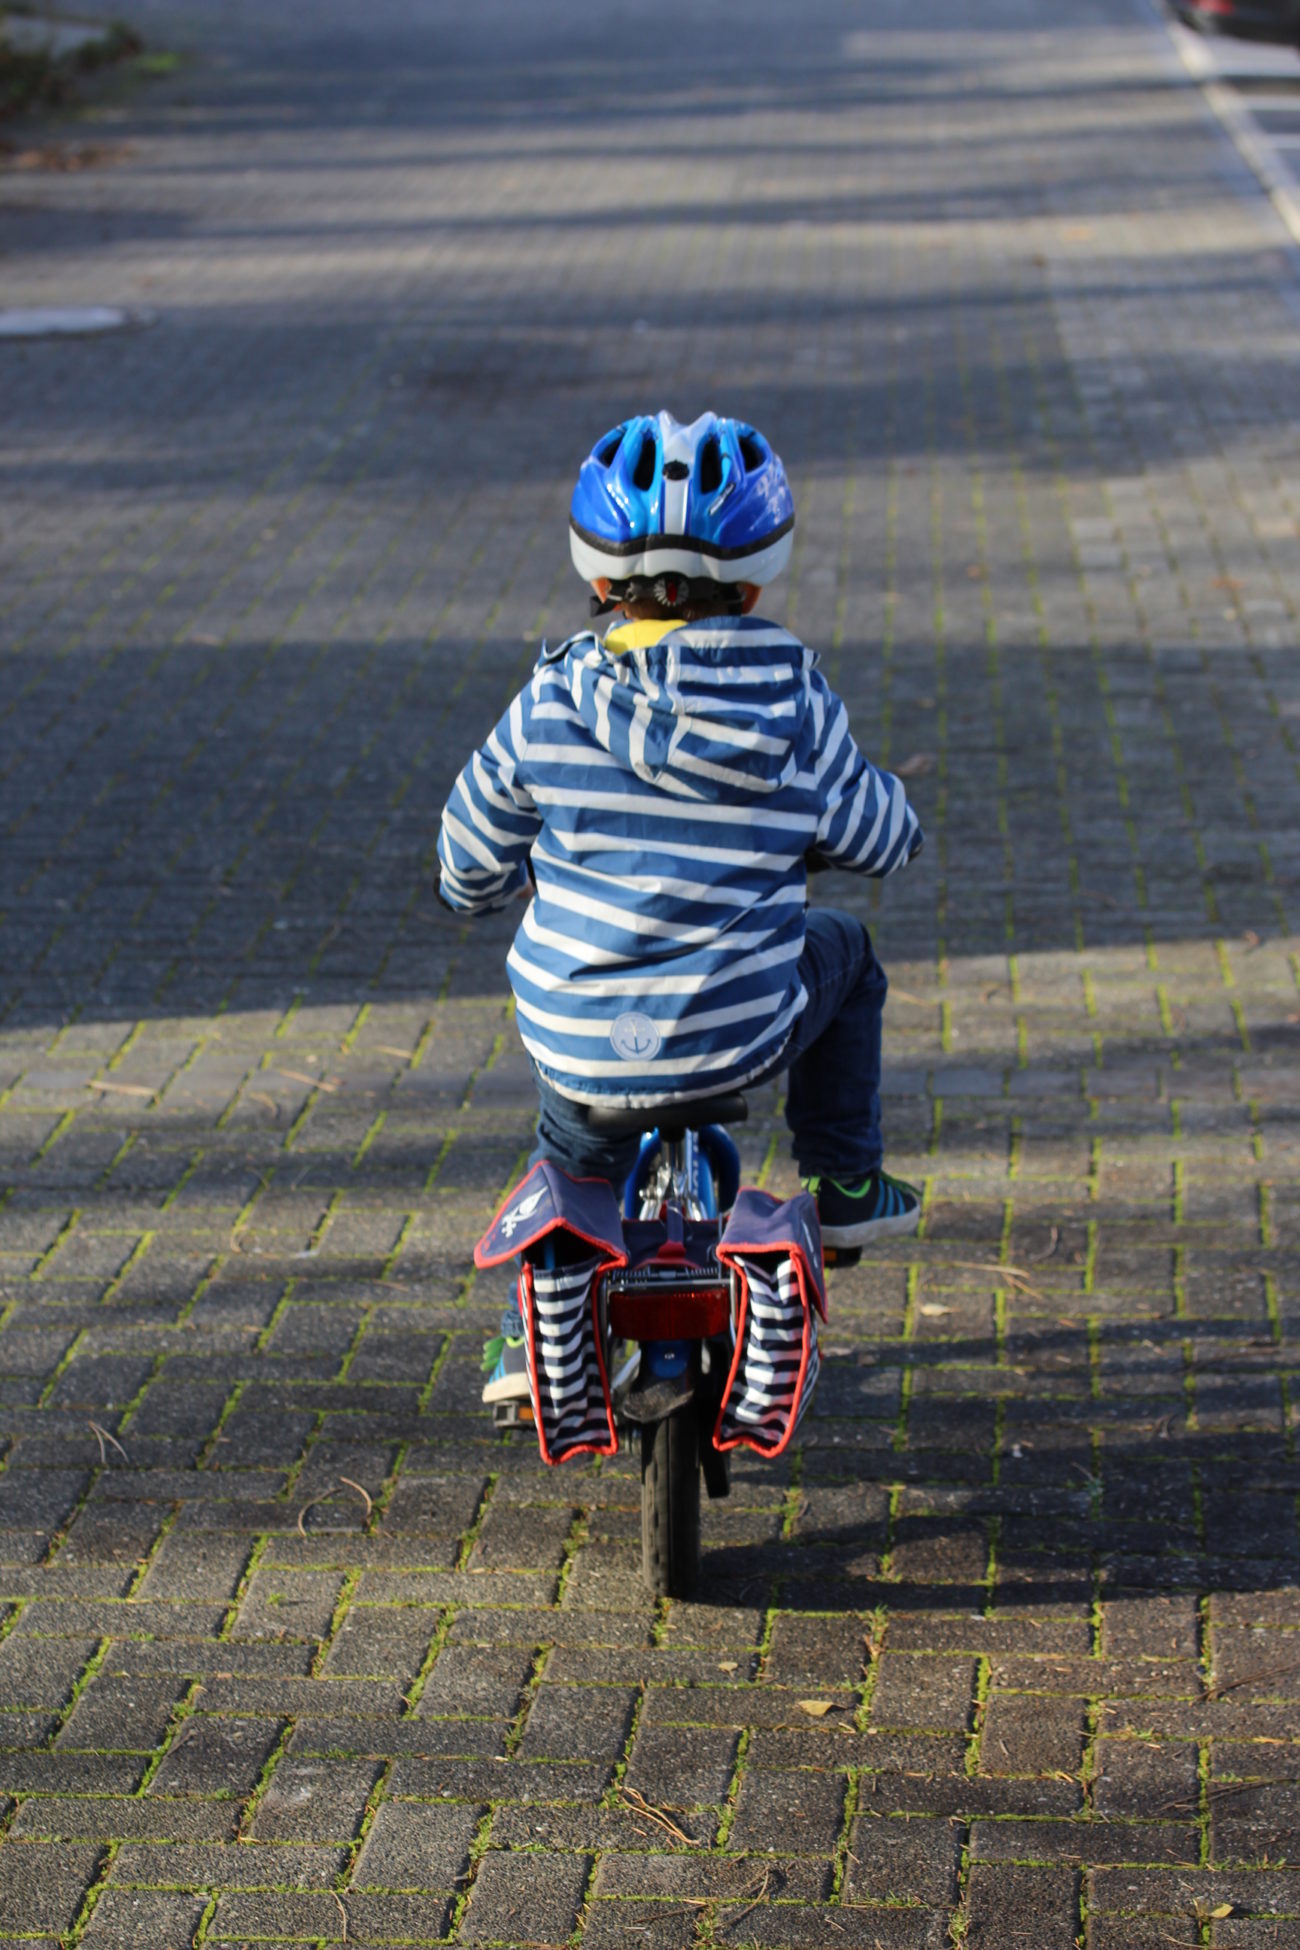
[[292, 1648]]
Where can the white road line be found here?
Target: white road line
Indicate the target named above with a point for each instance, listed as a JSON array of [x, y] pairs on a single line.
[[1213, 67]]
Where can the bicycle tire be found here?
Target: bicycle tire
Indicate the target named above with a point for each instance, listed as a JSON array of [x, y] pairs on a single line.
[[670, 1504]]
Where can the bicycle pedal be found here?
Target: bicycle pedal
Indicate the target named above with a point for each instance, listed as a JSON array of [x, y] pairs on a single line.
[[513, 1415], [837, 1257]]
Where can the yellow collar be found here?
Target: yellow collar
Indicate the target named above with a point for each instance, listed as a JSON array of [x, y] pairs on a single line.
[[626, 637]]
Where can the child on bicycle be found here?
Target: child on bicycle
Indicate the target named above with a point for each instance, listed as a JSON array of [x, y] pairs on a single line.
[[664, 790]]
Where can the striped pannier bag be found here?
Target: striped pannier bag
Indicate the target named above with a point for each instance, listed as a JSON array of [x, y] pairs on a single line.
[[776, 1251], [565, 1233]]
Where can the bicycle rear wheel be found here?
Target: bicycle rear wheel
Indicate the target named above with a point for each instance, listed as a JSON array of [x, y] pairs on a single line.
[[670, 1504]]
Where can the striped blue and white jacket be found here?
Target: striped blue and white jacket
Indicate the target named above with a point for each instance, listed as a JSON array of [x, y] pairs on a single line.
[[666, 785]]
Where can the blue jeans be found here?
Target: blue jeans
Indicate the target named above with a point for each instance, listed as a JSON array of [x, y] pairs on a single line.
[[833, 1097]]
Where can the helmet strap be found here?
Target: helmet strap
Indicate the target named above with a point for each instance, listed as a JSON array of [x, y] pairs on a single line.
[[671, 593]]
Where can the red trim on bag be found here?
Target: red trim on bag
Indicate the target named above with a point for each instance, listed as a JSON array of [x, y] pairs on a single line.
[[752, 1441], [819, 1284], [530, 1328], [795, 1251]]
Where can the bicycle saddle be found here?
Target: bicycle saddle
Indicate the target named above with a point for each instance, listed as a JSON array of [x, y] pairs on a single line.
[[671, 1120]]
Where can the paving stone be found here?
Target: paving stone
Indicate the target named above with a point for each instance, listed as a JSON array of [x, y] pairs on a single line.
[[108, 1817], [45, 1885], [140, 1919], [578, 1723], [912, 1861], [795, 1925], [681, 1768], [216, 1756], [651, 1926], [923, 1693], [1137, 1778], [1031, 1734], [412, 1846], [1007, 1905], [788, 1812], [511, 1902], [314, 1800], [244, 1864], [1085, 1842]]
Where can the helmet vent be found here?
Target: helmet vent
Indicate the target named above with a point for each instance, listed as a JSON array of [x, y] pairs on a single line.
[[752, 452], [710, 466], [675, 470], [608, 448], [643, 475]]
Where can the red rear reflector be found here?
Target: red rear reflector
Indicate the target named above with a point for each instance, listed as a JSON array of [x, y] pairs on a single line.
[[682, 1314]]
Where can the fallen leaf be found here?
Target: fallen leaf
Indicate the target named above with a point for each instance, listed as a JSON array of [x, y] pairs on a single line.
[[120, 1089], [916, 766], [818, 1708], [933, 1311], [89, 155], [1219, 1911], [728, 1665]]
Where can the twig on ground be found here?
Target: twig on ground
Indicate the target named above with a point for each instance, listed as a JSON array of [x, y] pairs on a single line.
[[325, 1496], [638, 1805], [1014, 1275], [343, 1912], [760, 1896], [362, 1492], [102, 1436], [1217, 1691]]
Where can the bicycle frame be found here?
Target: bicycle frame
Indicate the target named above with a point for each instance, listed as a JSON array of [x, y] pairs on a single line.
[[673, 1305]]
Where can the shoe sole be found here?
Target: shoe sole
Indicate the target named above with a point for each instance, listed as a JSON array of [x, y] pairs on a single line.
[[862, 1235], [509, 1388]]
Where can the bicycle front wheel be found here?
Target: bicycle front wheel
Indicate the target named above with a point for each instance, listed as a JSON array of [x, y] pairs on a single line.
[[670, 1504]]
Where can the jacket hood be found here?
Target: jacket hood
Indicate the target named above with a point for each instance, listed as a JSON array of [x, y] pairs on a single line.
[[712, 710]]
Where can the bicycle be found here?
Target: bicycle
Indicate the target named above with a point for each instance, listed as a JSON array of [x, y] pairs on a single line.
[[721, 1353]]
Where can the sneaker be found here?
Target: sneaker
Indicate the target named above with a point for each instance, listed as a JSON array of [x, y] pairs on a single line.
[[505, 1363], [854, 1215]]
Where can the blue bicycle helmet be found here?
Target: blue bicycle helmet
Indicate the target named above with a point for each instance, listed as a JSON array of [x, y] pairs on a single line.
[[707, 500]]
